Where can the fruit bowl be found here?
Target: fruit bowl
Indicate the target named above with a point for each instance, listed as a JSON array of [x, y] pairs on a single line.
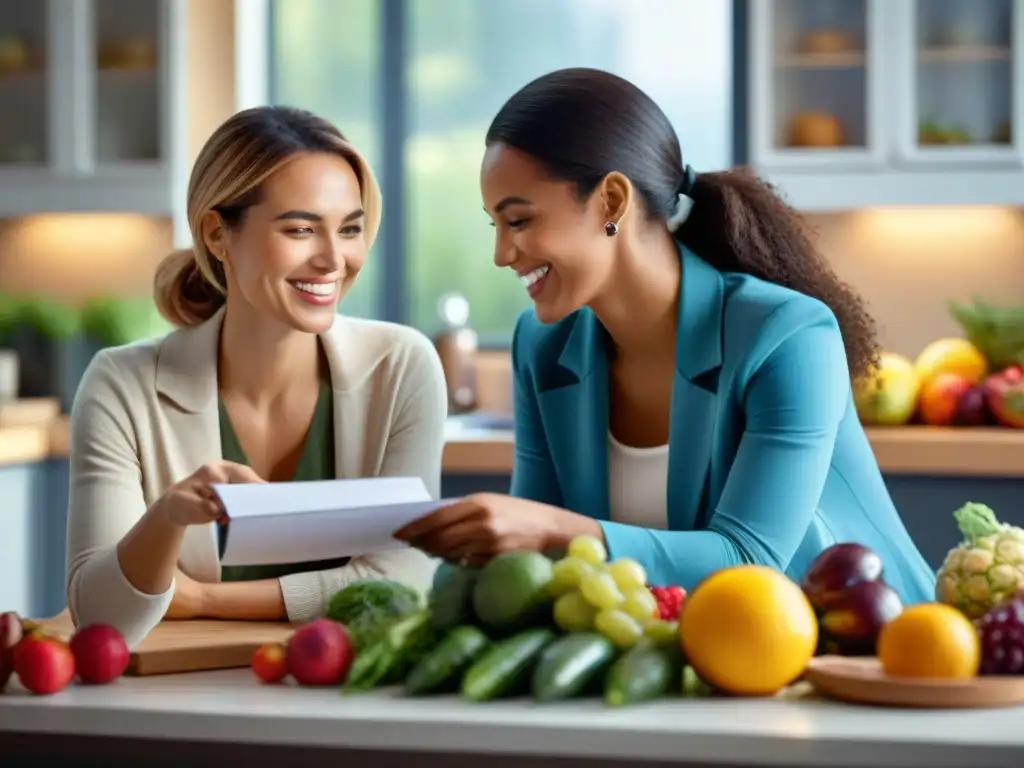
[[862, 681]]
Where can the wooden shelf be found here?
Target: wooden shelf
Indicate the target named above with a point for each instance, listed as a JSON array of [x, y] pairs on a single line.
[[965, 54], [840, 60]]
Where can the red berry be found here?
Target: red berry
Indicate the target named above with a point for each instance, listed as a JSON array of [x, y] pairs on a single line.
[[101, 654], [670, 601]]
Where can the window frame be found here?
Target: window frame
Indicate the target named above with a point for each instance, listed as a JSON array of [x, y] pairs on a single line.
[[254, 26]]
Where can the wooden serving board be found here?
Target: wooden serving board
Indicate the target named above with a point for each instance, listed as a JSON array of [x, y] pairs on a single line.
[[190, 646], [862, 681]]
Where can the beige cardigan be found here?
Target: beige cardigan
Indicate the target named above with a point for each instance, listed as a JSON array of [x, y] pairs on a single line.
[[146, 416]]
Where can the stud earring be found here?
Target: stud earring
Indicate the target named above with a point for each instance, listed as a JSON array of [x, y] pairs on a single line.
[[611, 229]]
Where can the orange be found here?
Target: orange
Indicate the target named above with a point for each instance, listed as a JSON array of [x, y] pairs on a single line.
[[748, 630], [951, 355], [930, 640]]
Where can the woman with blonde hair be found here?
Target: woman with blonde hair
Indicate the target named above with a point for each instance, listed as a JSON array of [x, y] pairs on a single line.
[[261, 381]]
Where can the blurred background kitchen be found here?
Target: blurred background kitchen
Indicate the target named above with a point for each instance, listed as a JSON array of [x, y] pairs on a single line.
[[897, 125]]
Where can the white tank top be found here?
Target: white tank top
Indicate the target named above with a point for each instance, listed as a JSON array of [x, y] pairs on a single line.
[[638, 484]]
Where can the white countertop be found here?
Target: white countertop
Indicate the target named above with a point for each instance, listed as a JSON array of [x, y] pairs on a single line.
[[231, 706]]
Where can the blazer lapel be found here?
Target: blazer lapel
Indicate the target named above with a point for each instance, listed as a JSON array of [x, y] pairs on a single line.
[[186, 381], [575, 417], [694, 391]]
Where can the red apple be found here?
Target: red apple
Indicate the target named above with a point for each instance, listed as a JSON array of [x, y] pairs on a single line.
[[319, 653], [44, 665], [101, 654], [1004, 394], [270, 663]]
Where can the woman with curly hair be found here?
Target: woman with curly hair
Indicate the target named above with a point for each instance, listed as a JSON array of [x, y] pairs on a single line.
[[683, 380]]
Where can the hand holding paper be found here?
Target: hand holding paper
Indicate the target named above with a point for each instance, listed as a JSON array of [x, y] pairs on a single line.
[[280, 523]]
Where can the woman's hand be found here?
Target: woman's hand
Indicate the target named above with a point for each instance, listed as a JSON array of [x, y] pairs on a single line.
[[192, 501], [478, 527]]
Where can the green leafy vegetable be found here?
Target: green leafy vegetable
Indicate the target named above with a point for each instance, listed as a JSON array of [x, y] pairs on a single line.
[[390, 658], [368, 608]]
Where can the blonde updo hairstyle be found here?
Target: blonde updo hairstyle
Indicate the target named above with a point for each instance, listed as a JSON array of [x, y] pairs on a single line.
[[189, 287]]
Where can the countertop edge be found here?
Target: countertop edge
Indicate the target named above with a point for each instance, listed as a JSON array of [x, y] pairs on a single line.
[[911, 450], [220, 707]]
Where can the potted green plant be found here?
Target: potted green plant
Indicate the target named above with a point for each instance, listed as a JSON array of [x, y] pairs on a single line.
[[44, 334]]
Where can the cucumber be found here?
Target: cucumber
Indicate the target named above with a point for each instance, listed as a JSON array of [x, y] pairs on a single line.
[[441, 669], [451, 599], [569, 666], [646, 671], [504, 669]]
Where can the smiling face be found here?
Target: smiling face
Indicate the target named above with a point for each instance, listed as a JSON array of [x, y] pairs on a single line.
[[297, 251], [554, 242]]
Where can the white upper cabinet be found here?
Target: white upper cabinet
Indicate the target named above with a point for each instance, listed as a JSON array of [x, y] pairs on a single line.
[[92, 93], [859, 103]]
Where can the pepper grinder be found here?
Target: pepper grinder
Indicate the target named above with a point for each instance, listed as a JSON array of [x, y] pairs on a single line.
[[456, 345]]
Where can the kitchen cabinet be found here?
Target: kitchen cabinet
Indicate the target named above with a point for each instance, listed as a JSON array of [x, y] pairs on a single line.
[[93, 114], [858, 103]]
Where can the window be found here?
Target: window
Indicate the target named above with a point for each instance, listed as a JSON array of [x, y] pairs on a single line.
[[461, 60]]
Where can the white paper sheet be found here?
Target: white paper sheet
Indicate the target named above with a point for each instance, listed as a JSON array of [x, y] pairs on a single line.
[[279, 523]]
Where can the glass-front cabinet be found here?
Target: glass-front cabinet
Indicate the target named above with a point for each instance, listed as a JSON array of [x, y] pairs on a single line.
[[23, 83], [817, 98], [865, 102], [127, 106], [962, 70], [92, 96]]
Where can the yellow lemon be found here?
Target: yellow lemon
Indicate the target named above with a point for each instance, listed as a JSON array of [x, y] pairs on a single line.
[[748, 630], [951, 355]]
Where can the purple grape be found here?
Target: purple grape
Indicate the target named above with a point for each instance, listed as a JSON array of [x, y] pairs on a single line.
[[1002, 639]]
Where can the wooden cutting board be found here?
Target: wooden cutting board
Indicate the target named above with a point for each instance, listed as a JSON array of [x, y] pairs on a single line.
[[190, 646]]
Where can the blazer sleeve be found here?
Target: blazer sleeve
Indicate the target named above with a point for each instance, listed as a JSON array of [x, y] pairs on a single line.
[[533, 471], [105, 500], [793, 405], [414, 448]]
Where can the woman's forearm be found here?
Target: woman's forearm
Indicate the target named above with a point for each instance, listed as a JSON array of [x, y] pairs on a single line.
[[568, 525], [244, 601], [148, 553]]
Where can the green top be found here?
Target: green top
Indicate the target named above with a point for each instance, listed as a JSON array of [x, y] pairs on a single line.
[[315, 463]]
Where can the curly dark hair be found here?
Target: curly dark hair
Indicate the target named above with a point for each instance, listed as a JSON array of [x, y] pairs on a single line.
[[581, 124]]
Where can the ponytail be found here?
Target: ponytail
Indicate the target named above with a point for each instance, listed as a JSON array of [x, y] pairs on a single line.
[[739, 224], [183, 293]]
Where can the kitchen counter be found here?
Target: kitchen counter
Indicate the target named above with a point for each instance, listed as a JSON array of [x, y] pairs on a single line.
[[212, 710], [910, 450], [33, 430]]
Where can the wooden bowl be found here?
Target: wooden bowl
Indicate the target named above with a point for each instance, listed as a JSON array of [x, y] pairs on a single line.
[[862, 681]]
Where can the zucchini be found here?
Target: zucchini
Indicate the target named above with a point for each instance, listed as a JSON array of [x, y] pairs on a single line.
[[646, 671], [504, 669], [442, 668], [569, 666]]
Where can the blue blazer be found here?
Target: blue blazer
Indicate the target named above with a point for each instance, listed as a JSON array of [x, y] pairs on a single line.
[[768, 462]]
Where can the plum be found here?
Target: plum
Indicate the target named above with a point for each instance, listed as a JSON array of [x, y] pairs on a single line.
[[973, 410], [10, 635], [837, 568], [852, 618]]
